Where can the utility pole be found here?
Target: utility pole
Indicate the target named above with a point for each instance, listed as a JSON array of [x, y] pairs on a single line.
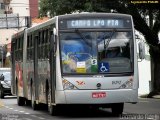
[[1, 50], [2, 57]]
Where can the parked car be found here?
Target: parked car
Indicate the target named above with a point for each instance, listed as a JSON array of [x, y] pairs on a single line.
[[5, 82]]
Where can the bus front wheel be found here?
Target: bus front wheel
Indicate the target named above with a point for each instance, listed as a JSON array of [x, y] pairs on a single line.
[[117, 108]]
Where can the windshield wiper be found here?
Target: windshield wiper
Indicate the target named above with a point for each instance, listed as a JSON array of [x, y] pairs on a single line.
[[109, 39], [82, 36]]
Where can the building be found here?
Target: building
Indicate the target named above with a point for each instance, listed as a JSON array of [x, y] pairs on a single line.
[[16, 12], [33, 8], [2, 7]]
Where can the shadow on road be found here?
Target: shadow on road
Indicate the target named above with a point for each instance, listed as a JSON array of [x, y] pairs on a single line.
[[83, 112], [86, 113]]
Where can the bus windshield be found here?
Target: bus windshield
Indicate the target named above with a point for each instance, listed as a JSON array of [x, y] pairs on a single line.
[[96, 52]]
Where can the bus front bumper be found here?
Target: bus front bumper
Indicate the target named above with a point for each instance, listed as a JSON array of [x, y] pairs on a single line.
[[96, 96]]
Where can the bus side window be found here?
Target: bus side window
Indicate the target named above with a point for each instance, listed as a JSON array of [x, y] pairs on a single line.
[[39, 47], [46, 44]]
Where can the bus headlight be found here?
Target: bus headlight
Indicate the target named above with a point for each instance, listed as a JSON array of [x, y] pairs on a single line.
[[68, 86], [128, 84]]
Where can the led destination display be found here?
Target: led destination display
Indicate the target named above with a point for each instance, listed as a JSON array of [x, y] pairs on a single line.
[[97, 23]]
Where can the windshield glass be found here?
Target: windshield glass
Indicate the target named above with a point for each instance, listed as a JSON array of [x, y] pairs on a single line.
[[96, 52]]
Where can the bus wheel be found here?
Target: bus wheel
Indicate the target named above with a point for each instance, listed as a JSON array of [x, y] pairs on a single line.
[[52, 110], [20, 100], [28, 102], [33, 102], [117, 108]]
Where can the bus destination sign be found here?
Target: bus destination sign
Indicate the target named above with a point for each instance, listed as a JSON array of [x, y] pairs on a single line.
[[96, 23]]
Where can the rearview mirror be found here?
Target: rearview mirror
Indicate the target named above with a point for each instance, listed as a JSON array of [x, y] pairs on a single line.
[[141, 50]]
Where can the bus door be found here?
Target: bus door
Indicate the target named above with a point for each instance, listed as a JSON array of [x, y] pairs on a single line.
[[52, 66], [36, 66], [13, 82]]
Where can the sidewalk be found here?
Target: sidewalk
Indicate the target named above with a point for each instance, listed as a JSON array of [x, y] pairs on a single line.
[[146, 96], [156, 96]]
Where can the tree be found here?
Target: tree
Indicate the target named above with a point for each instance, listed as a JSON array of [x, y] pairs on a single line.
[[44, 5], [138, 9]]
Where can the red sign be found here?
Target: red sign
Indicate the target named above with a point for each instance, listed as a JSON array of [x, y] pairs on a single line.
[[98, 95]]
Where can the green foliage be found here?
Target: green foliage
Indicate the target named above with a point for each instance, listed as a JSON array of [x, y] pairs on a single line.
[[44, 8], [139, 11]]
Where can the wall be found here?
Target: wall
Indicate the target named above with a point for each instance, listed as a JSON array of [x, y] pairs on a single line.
[[21, 7], [33, 8]]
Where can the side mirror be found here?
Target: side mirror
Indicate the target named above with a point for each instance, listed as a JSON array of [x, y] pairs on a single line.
[[141, 50], [2, 77]]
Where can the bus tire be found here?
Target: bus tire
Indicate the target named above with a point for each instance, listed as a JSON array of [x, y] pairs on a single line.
[[117, 109], [20, 100], [33, 102], [52, 110], [28, 102]]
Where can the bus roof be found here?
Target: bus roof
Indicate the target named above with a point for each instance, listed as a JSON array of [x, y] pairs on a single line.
[[116, 15], [72, 16]]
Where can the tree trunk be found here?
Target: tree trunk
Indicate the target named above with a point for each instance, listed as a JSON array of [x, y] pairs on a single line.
[[155, 72], [156, 80]]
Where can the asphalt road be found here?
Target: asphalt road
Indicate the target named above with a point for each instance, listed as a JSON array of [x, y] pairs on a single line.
[[146, 109]]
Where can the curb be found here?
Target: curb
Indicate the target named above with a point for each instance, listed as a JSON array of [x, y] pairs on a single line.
[[156, 96], [146, 96]]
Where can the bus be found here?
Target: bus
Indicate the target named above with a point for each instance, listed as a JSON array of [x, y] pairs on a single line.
[[79, 59]]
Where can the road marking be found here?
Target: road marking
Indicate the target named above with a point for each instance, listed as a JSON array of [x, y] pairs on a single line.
[[41, 118], [2, 105], [27, 119], [33, 115], [38, 117], [21, 111], [27, 113], [144, 101]]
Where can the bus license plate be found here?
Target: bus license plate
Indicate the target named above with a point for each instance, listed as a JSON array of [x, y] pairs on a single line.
[[98, 95]]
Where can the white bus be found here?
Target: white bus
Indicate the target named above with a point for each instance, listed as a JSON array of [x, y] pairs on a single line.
[[76, 59]]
